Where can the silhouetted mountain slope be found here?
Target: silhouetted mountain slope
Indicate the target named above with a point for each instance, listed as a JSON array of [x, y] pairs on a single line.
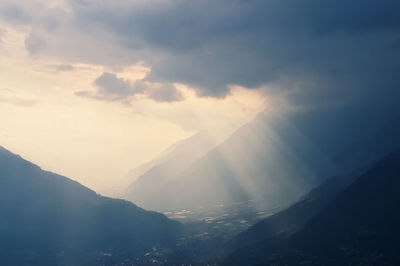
[[47, 219], [257, 162], [360, 227], [289, 221]]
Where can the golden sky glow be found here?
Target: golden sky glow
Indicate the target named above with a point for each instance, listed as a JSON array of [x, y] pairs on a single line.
[[97, 142]]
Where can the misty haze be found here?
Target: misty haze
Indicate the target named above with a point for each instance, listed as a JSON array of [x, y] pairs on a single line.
[[182, 132]]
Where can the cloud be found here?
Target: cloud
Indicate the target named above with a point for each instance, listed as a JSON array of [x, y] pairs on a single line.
[[110, 84], [2, 33], [8, 96], [316, 52], [64, 67], [34, 43], [210, 45], [15, 14], [112, 88], [163, 92], [18, 101]]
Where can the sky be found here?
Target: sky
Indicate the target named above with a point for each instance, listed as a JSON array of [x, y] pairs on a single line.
[[93, 88]]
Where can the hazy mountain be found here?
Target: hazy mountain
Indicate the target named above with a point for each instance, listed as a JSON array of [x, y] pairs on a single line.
[[176, 157], [360, 227], [270, 165], [47, 219], [150, 177], [165, 166], [271, 160]]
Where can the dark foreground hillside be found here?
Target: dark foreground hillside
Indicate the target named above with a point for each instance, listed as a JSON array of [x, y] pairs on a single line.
[[47, 219], [291, 220], [360, 227]]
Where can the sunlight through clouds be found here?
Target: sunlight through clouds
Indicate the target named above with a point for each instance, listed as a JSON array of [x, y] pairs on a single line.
[[97, 142]]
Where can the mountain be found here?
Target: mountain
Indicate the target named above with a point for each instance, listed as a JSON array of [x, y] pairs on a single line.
[[150, 177], [360, 227], [272, 160], [267, 164], [291, 220], [48, 219]]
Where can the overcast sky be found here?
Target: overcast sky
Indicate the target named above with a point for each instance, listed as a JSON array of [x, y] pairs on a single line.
[[107, 85]]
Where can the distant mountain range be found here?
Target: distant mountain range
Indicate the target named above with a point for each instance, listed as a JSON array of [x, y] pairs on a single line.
[[177, 157], [257, 162], [47, 219], [271, 160], [150, 178], [358, 226]]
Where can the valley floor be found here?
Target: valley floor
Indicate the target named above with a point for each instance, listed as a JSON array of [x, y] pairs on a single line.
[[207, 229]]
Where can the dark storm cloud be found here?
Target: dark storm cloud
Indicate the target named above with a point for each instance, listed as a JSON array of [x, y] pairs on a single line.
[[327, 50], [321, 52]]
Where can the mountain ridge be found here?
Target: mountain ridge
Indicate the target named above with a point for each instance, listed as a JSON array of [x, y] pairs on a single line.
[[49, 219], [360, 226]]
